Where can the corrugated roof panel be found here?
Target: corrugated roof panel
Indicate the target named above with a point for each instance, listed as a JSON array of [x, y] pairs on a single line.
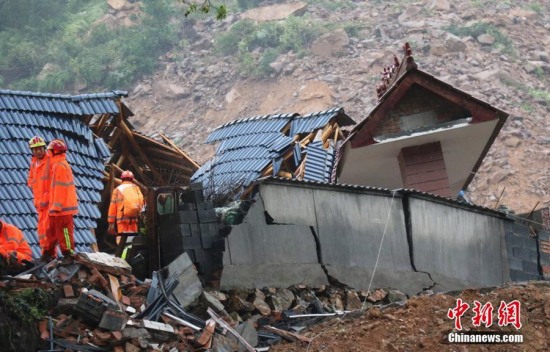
[[260, 139], [255, 125], [318, 162], [282, 144]]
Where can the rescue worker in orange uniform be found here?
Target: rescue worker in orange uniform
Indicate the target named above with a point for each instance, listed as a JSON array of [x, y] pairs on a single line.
[[39, 182], [126, 205], [63, 203], [14, 249]]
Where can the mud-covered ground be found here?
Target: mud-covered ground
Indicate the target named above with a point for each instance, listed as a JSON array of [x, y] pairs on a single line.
[[422, 324]]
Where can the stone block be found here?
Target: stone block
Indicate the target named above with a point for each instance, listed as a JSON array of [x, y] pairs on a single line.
[[517, 275], [513, 241], [521, 253], [515, 264], [530, 267]]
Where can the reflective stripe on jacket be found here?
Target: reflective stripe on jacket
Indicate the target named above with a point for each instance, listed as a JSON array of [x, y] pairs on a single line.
[[126, 203], [39, 181], [63, 198], [13, 240]]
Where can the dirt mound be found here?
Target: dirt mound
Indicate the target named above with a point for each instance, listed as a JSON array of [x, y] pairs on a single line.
[[422, 324]]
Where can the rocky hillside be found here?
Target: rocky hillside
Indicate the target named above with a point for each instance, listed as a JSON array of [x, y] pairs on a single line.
[[507, 65]]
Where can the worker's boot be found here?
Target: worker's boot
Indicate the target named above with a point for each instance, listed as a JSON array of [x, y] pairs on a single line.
[[46, 258]]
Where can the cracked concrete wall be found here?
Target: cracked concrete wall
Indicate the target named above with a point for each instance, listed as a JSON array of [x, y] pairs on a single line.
[[455, 245], [348, 226], [259, 255]]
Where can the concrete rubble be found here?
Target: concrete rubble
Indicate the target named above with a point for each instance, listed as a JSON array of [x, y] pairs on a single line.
[[98, 305]]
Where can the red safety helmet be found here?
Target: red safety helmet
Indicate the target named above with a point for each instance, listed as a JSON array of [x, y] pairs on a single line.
[[58, 145], [127, 175], [36, 142]]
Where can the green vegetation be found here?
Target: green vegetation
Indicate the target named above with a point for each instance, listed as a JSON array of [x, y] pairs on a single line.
[[479, 28], [536, 7], [27, 305], [78, 44], [258, 45], [538, 94]]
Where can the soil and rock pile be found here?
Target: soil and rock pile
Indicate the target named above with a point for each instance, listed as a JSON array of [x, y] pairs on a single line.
[[96, 304], [507, 66]]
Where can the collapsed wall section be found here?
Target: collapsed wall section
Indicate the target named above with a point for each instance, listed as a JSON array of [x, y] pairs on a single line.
[[365, 238]]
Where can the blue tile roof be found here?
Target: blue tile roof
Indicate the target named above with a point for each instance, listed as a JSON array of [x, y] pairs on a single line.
[[26, 114], [319, 162], [248, 146]]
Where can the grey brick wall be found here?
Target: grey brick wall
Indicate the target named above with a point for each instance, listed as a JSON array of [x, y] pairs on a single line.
[[523, 253]]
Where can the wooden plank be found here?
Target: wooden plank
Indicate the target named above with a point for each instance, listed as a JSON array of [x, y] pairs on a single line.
[[115, 290], [288, 335], [285, 174], [205, 339], [184, 154], [137, 149]]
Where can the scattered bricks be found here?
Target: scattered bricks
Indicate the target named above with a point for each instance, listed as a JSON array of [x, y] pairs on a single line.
[[126, 301], [44, 329], [117, 335], [68, 291], [101, 338], [130, 347], [544, 246]]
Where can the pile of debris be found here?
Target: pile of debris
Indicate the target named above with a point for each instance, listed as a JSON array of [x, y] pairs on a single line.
[[95, 304]]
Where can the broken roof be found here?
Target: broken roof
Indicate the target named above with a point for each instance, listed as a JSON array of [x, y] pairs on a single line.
[[26, 114], [254, 147]]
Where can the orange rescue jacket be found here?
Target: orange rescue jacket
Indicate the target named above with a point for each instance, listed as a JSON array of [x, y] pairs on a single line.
[[63, 198], [39, 181], [126, 203], [13, 240]]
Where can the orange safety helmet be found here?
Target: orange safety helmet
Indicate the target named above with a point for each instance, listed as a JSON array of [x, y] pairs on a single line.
[[127, 175], [36, 142], [58, 145]]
